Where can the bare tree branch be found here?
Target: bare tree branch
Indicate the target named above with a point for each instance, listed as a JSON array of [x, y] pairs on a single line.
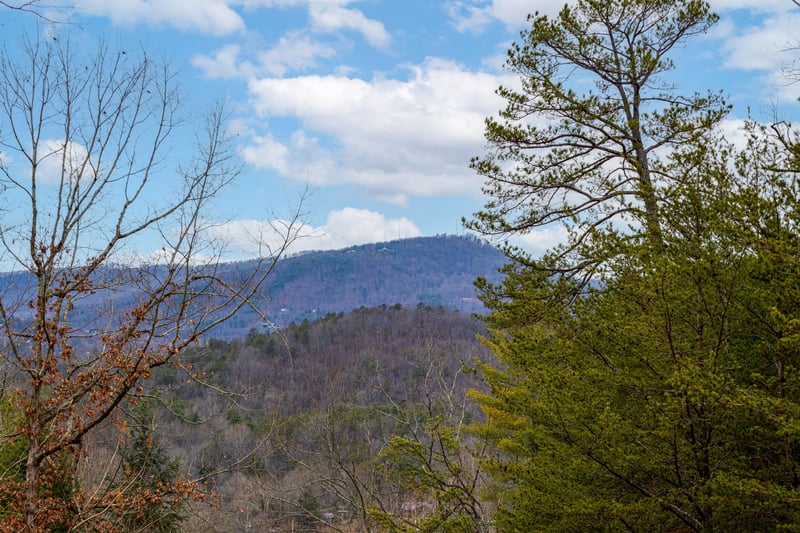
[[38, 8], [88, 187]]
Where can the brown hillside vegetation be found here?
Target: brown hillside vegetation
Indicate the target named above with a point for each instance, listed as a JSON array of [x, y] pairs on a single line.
[[304, 426]]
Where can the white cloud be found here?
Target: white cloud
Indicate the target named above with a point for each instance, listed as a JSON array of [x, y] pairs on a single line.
[[734, 131], [763, 47], [224, 63], [761, 38], [220, 17], [53, 165], [267, 153], [343, 228], [358, 226], [302, 158], [252, 4], [295, 52], [515, 12], [475, 15], [214, 17], [766, 6], [469, 18], [394, 137], [754, 34], [537, 242], [332, 18]]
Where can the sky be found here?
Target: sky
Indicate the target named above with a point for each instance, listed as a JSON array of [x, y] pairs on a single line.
[[375, 107]]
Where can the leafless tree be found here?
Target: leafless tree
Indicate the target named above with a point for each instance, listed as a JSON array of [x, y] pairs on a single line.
[[86, 148], [40, 9]]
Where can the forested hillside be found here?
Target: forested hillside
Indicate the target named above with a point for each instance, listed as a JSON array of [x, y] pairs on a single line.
[[437, 271], [297, 428]]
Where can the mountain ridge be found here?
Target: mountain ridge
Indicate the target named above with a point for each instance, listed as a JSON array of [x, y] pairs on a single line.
[[433, 271]]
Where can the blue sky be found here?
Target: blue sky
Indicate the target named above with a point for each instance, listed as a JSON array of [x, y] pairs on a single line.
[[378, 105]]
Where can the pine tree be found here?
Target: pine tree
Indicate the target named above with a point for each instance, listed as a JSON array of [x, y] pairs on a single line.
[[151, 476], [656, 389]]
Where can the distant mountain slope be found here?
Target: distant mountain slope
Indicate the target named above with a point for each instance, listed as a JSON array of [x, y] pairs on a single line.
[[435, 271], [429, 270]]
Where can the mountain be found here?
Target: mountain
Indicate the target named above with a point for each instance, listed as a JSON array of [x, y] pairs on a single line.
[[434, 271]]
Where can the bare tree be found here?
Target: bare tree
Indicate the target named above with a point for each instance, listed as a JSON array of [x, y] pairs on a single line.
[[29, 6], [38, 8], [85, 156], [791, 69]]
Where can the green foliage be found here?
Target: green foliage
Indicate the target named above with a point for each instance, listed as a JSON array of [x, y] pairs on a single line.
[[657, 401], [656, 387], [309, 506], [12, 445], [13, 450], [60, 482], [437, 478], [589, 160], [149, 475]]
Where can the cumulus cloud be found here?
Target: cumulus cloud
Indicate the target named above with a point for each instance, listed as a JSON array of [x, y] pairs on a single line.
[[761, 38], [754, 34], [539, 241], [396, 137], [475, 15], [767, 6], [224, 63], [301, 158], [332, 18], [468, 18], [267, 153], [762, 47], [214, 17], [734, 131], [220, 17], [351, 226], [343, 228], [294, 52], [53, 165]]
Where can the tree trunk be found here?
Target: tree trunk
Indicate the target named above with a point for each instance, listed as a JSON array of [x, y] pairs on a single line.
[[32, 478]]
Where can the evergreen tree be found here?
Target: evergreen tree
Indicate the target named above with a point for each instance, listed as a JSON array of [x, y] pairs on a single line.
[[151, 476], [663, 395], [589, 160], [56, 493]]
